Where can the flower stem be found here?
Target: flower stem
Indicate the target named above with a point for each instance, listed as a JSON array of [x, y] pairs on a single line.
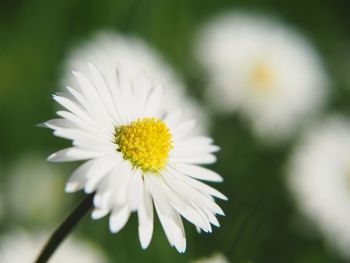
[[66, 226]]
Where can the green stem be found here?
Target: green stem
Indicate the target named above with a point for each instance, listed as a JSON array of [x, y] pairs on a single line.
[[65, 228]]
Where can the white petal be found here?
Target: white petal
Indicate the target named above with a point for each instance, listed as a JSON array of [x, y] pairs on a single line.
[[78, 178], [99, 213], [78, 97], [189, 151], [198, 140], [173, 227], [182, 130], [183, 200], [101, 167], [118, 182], [73, 187], [202, 187], [81, 113], [104, 93], [185, 207], [153, 102], [197, 149], [204, 159], [85, 139], [81, 100], [201, 210], [60, 123], [141, 89], [198, 199], [173, 118], [145, 216], [168, 217], [71, 106], [212, 218], [102, 196], [193, 147], [125, 99], [93, 98], [152, 184], [90, 172], [87, 124], [119, 102], [135, 190], [73, 154], [93, 143], [198, 172], [118, 219]]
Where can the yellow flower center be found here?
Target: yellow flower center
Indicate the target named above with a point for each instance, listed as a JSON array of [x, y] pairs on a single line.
[[262, 76], [145, 143]]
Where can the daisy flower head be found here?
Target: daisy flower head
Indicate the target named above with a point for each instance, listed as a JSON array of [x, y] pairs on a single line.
[[319, 180], [137, 155], [264, 70], [21, 246], [111, 48]]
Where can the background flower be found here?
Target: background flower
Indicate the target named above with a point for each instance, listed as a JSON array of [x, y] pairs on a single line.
[[264, 69], [215, 258], [319, 179], [113, 49], [21, 246], [34, 191]]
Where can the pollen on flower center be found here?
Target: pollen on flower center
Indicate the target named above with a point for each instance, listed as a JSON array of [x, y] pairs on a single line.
[[145, 143], [262, 76]]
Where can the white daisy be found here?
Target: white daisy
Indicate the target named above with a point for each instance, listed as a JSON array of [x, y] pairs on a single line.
[[20, 246], [25, 203], [319, 178], [215, 258], [263, 69], [2, 201], [136, 154], [112, 49], [2, 209]]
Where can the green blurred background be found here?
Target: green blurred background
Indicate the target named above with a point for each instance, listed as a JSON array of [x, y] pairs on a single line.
[[261, 222]]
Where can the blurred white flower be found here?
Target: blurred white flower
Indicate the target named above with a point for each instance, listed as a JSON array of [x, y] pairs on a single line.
[[20, 247], [215, 258], [264, 70], [34, 190], [1, 204], [319, 179], [109, 49], [2, 188], [136, 155]]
